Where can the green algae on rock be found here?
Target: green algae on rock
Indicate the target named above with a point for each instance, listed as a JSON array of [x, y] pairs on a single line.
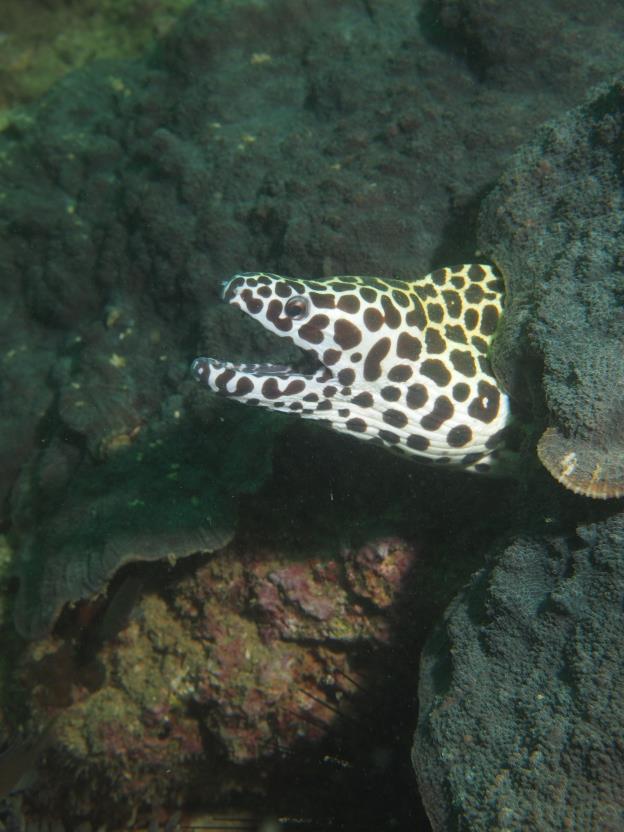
[[79, 521], [41, 42], [244, 138]]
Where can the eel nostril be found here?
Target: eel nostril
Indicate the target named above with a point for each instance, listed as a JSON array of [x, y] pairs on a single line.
[[199, 368]]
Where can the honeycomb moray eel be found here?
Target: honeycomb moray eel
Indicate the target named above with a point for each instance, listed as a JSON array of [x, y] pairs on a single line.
[[401, 363]]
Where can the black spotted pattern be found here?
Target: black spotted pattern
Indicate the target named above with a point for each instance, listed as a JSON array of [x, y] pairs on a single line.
[[274, 315], [456, 333], [489, 319], [486, 405], [476, 272], [376, 354], [426, 291], [473, 294], [400, 372], [408, 347], [395, 418], [392, 315], [231, 288], [480, 344], [253, 304], [346, 334], [373, 319], [270, 389], [442, 411], [244, 385], [312, 330], [436, 370], [363, 400], [323, 300], [471, 318], [297, 385], [417, 442], [388, 436], [349, 303], [416, 396], [356, 425], [453, 302], [459, 436], [434, 342], [346, 376], [435, 312], [390, 393], [461, 391], [463, 362], [416, 315], [400, 298], [368, 295], [283, 290], [223, 380]]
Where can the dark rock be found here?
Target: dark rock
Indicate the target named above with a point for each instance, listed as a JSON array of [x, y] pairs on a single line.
[[554, 225], [535, 47], [522, 712]]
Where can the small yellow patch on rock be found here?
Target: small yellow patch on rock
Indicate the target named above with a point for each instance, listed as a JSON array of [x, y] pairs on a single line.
[[117, 361]]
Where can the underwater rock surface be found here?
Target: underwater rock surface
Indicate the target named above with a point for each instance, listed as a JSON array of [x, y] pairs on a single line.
[[521, 704], [41, 42], [522, 712], [340, 138], [554, 224], [239, 663]]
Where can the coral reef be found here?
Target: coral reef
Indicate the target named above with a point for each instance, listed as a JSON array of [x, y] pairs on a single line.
[[554, 226], [305, 139], [42, 41], [521, 686], [305, 142], [240, 661]]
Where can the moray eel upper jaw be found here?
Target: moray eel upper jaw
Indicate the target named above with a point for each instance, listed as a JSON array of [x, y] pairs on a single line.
[[402, 363]]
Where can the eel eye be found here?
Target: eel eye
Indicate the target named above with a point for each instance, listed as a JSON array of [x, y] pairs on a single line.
[[296, 307]]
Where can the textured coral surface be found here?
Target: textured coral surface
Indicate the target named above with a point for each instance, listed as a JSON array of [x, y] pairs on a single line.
[[521, 690], [522, 710], [554, 225], [42, 41], [241, 662], [298, 138], [256, 135]]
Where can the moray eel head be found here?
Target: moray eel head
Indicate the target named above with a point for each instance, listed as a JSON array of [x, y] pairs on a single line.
[[402, 363]]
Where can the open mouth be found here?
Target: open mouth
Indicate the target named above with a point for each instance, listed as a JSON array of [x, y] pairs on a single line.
[[307, 367]]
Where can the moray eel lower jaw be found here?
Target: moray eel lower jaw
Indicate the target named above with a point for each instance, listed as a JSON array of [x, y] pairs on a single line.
[[401, 363], [229, 379]]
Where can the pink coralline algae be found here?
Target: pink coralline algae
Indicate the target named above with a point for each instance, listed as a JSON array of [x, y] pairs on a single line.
[[249, 655]]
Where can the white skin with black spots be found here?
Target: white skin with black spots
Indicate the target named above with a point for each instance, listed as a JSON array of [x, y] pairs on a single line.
[[402, 363]]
